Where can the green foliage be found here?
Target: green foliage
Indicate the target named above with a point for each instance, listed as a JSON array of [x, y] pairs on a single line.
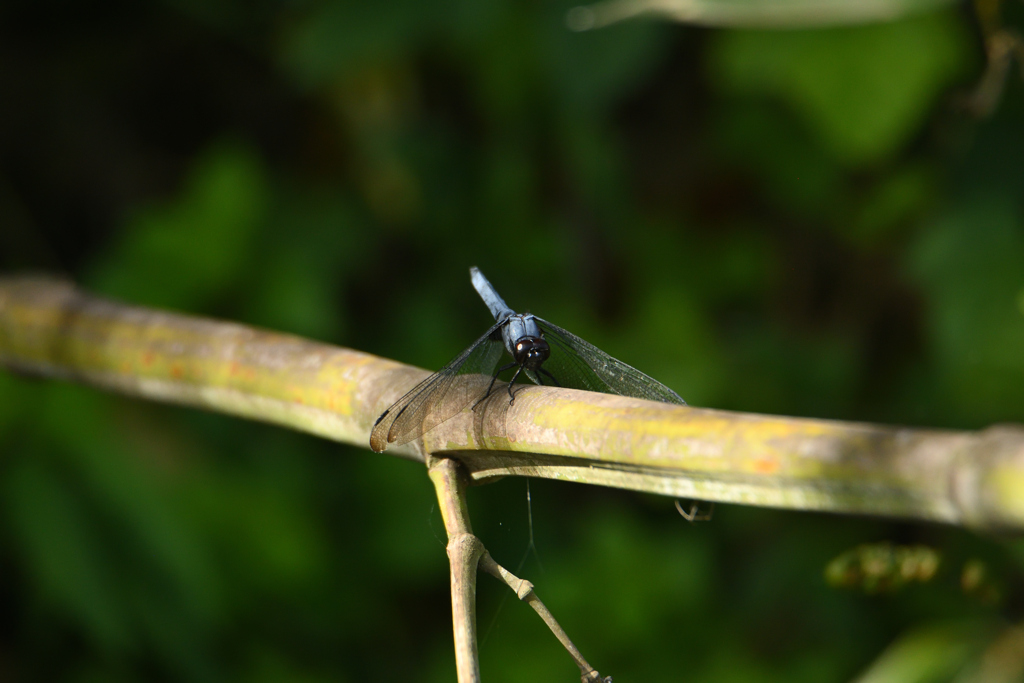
[[929, 654], [970, 262], [882, 567], [184, 255], [787, 222], [863, 91]]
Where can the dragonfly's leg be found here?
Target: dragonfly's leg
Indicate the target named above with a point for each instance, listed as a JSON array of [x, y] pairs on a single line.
[[550, 376], [494, 379], [511, 396]]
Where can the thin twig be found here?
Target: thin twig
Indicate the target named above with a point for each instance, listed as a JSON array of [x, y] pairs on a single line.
[[465, 554], [524, 591], [786, 14], [695, 514], [464, 551]]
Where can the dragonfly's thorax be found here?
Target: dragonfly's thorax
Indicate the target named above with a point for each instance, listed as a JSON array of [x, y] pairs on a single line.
[[523, 339]]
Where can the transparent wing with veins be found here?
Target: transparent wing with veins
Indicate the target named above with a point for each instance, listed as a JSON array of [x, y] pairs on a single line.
[[442, 395], [578, 364]]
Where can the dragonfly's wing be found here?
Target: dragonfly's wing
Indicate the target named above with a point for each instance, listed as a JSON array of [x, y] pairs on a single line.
[[578, 364], [442, 395]]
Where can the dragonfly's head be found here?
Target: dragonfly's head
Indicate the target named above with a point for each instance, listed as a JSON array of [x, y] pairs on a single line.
[[531, 352]]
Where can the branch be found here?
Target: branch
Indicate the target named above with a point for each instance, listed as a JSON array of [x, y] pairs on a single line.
[[465, 553], [52, 329], [762, 14], [524, 591]]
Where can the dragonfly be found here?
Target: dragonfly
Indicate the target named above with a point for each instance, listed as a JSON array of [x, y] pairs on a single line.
[[544, 352]]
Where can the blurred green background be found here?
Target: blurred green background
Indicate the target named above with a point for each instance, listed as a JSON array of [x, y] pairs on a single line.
[[800, 222]]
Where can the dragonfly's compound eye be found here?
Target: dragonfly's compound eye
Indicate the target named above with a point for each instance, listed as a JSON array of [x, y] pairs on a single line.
[[532, 351]]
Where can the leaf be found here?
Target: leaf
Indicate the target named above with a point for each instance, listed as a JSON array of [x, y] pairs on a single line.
[[863, 91], [929, 653], [187, 252], [971, 264]]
